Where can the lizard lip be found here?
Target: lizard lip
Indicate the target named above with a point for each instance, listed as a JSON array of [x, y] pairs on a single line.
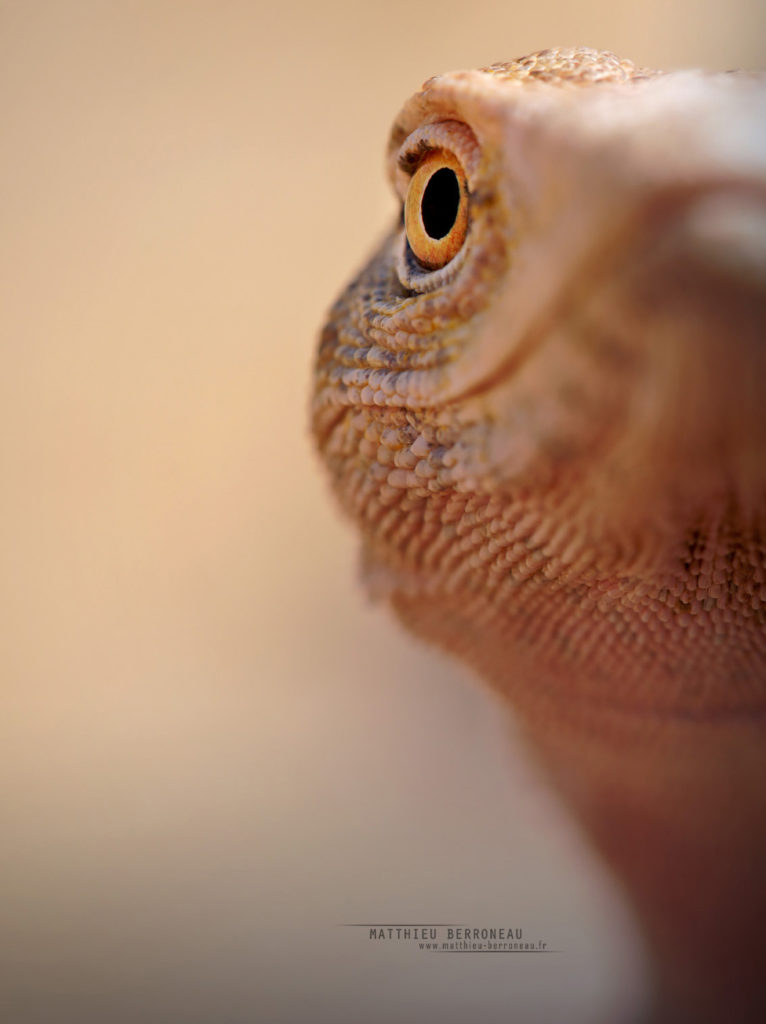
[[697, 250], [726, 232]]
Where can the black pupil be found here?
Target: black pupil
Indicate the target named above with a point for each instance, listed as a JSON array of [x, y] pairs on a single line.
[[440, 203]]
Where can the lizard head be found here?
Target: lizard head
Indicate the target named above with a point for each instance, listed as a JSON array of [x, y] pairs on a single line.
[[550, 372]]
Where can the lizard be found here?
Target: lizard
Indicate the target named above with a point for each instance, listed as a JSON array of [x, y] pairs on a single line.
[[542, 403]]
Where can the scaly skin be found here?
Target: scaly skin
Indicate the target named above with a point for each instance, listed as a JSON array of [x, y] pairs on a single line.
[[555, 451]]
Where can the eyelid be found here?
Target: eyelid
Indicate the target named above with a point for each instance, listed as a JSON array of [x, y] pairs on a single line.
[[449, 136]]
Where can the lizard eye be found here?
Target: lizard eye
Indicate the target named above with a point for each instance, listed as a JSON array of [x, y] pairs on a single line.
[[436, 209]]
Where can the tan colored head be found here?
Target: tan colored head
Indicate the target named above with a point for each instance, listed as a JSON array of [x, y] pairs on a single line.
[[571, 403]]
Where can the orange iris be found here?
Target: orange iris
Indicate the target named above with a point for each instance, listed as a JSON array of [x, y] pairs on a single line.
[[436, 209]]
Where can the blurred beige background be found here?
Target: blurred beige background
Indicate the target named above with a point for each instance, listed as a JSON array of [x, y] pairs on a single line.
[[213, 751]]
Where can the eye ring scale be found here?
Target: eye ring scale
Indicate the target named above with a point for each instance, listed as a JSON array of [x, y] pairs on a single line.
[[436, 209]]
